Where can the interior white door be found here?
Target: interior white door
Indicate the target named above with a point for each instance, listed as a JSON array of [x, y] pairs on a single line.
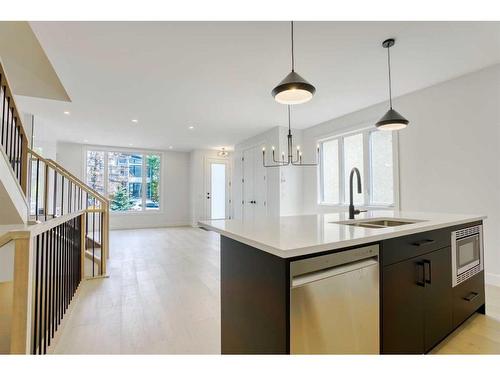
[[217, 189], [254, 184], [248, 185]]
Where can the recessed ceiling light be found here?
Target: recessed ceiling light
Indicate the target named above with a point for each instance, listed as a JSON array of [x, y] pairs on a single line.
[[191, 127], [66, 112], [135, 121], [170, 147], [130, 144], [86, 140]]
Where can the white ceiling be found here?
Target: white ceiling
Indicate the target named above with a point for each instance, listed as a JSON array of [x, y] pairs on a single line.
[[217, 76], [28, 69]]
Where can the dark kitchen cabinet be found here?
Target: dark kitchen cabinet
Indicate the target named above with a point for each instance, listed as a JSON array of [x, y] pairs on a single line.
[[437, 297], [402, 308], [416, 302]]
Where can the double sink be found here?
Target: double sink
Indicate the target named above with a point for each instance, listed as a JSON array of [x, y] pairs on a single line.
[[377, 223]]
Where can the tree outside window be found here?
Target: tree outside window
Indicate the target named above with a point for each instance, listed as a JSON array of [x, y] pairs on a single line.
[[132, 180]]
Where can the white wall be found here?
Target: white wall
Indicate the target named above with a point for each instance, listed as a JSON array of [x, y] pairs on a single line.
[[449, 154], [175, 188]]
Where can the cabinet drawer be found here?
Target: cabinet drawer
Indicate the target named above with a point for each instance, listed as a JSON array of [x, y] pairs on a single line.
[[397, 249], [467, 298]]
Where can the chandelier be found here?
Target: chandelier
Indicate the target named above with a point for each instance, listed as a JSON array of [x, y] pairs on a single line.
[[290, 159]]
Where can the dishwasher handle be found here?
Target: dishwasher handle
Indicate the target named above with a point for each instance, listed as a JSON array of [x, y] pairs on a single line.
[[311, 277]]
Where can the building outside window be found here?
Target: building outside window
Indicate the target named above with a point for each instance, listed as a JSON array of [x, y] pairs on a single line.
[[130, 180], [374, 153]]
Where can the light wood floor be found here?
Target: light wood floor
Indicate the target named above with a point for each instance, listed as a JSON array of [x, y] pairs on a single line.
[[163, 297]]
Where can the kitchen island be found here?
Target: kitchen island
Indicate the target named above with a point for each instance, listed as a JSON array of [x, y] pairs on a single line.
[[383, 283]]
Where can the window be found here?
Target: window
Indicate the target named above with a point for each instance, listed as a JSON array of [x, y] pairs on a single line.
[[372, 152], [130, 180]]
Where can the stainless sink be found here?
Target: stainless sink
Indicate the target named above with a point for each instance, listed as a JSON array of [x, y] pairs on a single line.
[[377, 223]]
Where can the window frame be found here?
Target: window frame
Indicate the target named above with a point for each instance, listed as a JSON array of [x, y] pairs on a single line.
[[128, 151], [366, 130]]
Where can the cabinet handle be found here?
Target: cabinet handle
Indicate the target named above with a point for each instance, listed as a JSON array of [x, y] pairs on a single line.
[[423, 242], [471, 297], [428, 280], [420, 266]]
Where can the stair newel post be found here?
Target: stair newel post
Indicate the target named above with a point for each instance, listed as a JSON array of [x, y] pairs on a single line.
[[20, 341]]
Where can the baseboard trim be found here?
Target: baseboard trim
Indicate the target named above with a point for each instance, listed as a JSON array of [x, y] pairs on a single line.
[[165, 225], [492, 279]]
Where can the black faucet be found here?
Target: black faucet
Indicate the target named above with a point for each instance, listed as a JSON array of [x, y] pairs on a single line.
[[352, 211]]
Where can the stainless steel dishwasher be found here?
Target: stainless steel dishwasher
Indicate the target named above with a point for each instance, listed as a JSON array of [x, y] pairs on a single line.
[[334, 303]]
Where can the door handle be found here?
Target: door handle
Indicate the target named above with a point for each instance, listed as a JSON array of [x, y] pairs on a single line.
[[420, 272], [428, 280], [471, 296], [423, 242]]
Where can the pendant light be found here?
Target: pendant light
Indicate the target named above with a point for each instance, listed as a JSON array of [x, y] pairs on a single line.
[[289, 158], [293, 89], [223, 152], [392, 120]]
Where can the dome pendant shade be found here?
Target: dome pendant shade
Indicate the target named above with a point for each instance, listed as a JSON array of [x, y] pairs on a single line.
[[293, 89], [392, 120]]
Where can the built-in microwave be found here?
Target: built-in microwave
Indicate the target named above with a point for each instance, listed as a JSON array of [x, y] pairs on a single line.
[[467, 258]]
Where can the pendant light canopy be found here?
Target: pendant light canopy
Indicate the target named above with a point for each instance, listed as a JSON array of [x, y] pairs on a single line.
[[392, 120], [293, 89]]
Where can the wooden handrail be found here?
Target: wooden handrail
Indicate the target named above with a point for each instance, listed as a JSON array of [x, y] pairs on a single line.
[[19, 124], [63, 171], [102, 209]]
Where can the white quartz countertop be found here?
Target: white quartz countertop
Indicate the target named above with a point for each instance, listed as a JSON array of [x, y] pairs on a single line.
[[290, 236]]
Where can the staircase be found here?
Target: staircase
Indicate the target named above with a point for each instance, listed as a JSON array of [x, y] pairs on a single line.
[[54, 232]]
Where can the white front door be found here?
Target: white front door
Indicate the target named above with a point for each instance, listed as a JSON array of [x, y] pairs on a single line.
[[217, 189]]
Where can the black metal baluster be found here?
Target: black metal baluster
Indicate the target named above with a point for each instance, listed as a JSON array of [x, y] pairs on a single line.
[[36, 187], [45, 304], [42, 291], [45, 189], [54, 205], [12, 135], [6, 140], [20, 158], [100, 241], [14, 144], [59, 250], [16, 149], [93, 242], [70, 188], [49, 286], [73, 256], [53, 281], [62, 195], [2, 93], [67, 264], [3, 114], [6, 145]]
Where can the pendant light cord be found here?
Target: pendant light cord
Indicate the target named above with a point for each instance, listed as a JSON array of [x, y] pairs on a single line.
[[289, 126], [293, 57], [390, 82]]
